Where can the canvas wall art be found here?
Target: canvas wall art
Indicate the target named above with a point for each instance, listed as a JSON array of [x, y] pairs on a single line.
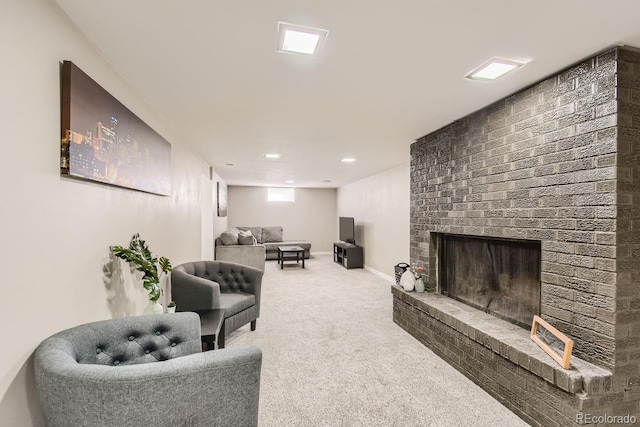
[[222, 198], [103, 141]]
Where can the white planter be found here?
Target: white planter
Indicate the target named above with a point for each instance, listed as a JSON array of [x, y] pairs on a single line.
[[171, 309], [154, 307], [408, 281]]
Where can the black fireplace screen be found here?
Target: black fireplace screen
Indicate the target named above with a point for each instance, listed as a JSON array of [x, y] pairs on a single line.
[[499, 276]]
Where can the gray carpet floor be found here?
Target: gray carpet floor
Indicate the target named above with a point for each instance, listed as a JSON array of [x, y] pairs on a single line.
[[332, 356]]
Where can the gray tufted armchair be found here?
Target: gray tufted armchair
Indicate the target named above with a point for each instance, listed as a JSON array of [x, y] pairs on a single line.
[[145, 371], [205, 285]]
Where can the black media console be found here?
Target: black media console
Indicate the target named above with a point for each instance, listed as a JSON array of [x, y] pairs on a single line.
[[348, 255]]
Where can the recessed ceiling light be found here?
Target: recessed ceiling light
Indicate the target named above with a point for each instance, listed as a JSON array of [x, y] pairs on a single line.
[[493, 69], [272, 156], [298, 39], [289, 181], [348, 160], [229, 164], [326, 180]]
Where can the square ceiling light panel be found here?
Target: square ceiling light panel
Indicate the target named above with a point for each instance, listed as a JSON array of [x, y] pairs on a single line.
[[298, 39], [493, 69]]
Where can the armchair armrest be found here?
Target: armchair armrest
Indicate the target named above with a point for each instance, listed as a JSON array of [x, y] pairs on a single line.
[[194, 293]]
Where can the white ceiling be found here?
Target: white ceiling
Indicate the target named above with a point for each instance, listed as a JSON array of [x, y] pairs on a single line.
[[389, 72]]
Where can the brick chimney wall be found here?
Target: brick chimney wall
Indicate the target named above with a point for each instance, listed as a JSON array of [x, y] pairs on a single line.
[[557, 162]]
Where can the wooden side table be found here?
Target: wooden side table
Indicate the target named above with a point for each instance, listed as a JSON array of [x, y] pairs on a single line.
[[212, 328]]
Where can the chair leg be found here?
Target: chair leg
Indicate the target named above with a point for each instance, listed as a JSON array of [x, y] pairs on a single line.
[[221, 337], [253, 325]]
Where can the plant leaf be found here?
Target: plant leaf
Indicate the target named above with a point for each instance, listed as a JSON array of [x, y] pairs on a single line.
[[138, 253]]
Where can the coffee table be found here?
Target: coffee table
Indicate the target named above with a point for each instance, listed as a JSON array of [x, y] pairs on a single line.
[[290, 253], [212, 328]]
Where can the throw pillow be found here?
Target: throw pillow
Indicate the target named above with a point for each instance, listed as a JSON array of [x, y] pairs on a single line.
[[256, 231], [230, 237], [246, 238], [272, 234]]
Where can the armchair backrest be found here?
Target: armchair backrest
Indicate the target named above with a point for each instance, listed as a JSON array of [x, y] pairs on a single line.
[[124, 341], [230, 276]]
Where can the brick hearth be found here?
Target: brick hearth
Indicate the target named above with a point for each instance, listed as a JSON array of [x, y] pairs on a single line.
[[558, 162], [502, 359]]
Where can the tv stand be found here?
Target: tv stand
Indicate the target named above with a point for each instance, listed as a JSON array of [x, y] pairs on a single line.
[[348, 255]]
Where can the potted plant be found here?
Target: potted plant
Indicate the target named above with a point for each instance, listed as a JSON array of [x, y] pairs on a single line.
[[171, 307], [152, 268]]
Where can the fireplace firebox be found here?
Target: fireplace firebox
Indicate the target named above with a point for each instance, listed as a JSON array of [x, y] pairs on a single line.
[[498, 276]]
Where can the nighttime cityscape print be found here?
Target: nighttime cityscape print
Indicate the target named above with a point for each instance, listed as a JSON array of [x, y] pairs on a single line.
[[104, 141]]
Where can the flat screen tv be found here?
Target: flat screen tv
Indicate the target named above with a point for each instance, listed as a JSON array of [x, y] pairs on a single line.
[[347, 229]]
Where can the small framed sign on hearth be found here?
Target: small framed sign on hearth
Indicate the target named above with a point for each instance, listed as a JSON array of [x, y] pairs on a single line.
[[544, 341]]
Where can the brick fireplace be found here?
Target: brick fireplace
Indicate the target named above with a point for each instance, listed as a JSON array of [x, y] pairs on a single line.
[[558, 164]]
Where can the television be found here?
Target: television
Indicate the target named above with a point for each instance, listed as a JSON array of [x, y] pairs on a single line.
[[347, 229]]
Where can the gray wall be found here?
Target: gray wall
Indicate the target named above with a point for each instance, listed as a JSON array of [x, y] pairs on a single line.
[[380, 206], [312, 217]]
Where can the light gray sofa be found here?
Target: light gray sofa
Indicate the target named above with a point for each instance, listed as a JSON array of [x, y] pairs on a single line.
[[145, 371], [251, 255], [270, 237], [205, 285]]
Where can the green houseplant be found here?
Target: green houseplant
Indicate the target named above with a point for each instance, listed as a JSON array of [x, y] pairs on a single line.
[[152, 267], [171, 307]]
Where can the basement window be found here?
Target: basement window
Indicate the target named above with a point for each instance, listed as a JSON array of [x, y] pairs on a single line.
[[280, 195]]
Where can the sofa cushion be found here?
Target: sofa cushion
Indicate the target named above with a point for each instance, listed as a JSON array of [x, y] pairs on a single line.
[[256, 231], [271, 234], [246, 238], [230, 237]]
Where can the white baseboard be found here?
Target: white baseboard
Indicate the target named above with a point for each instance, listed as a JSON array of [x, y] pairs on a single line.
[[380, 274]]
